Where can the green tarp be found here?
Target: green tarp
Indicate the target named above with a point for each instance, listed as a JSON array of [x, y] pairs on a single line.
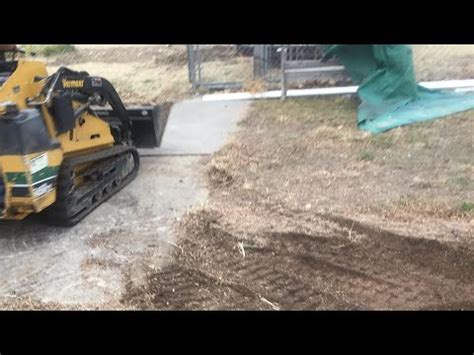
[[388, 89]]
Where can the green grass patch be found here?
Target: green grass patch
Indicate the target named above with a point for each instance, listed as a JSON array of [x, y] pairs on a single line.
[[48, 50], [366, 155], [460, 181], [467, 207]]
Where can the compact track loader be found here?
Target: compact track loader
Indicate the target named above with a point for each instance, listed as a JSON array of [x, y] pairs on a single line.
[[67, 142]]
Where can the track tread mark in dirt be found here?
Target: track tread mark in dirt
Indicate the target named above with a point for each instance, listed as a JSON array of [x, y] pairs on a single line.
[[299, 271], [397, 286], [182, 288], [439, 258]]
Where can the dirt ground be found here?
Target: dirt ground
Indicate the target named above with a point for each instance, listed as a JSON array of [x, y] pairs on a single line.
[[307, 212]]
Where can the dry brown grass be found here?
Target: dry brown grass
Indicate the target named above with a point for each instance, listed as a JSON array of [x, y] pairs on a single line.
[[443, 62], [234, 69], [141, 74], [153, 74], [308, 155], [159, 73], [141, 83], [255, 86]]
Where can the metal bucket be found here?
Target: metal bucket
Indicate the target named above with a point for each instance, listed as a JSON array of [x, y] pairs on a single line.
[[148, 123]]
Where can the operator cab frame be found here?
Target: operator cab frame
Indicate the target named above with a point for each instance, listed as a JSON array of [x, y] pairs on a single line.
[[8, 67]]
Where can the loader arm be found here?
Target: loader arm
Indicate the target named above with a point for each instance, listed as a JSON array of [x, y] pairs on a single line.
[[91, 90]]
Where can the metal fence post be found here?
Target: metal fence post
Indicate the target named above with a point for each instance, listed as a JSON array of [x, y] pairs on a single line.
[[283, 52], [198, 65], [191, 66], [258, 60]]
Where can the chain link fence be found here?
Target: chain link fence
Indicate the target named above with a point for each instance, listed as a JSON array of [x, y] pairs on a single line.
[[217, 67]]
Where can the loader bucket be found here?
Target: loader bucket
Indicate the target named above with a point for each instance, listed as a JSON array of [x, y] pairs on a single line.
[[147, 122]]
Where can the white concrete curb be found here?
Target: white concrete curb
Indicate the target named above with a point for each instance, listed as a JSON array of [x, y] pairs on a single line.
[[457, 85]]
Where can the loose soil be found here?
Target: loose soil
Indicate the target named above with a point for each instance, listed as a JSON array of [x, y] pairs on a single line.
[[307, 212]]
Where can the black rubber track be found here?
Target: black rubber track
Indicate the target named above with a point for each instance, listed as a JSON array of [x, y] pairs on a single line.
[[105, 178]]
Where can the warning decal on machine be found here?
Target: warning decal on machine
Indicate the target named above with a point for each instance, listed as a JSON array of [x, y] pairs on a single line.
[[39, 163], [42, 190]]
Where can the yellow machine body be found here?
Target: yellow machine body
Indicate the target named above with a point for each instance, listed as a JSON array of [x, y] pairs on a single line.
[[25, 172]]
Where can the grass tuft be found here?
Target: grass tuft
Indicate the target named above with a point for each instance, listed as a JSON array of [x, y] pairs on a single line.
[[467, 207], [366, 155], [48, 50]]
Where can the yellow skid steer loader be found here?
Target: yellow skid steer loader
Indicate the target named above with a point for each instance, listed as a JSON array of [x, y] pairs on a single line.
[[67, 142]]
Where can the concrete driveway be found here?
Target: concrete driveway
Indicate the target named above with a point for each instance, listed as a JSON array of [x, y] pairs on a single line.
[[90, 264]]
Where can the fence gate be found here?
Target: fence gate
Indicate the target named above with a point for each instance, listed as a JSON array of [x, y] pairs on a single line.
[[218, 66], [232, 66]]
